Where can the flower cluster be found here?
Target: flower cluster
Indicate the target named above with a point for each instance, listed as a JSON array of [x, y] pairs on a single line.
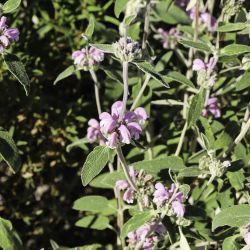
[[127, 49], [87, 58], [204, 71], [94, 133], [7, 35], [150, 239], [171, 199], [169, 38], [212, 108], [142, 181], [206, 19], [215, 167], [246, 233], [112, 130]]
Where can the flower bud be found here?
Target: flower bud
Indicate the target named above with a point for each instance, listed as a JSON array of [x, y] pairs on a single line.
[[127, 50]]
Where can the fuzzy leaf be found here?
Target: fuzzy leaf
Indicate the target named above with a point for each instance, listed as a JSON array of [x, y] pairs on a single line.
[[9, 151], [135, 222], [94, 222], [11, 5], [106, 48], [146, 67], [234, 50], [91, 203], [119, 6], [91, 27], [229, 27], [17, 69], [66, 73], [196, 45], [95, 162], [235, 216], [196, 107], [178, 77]]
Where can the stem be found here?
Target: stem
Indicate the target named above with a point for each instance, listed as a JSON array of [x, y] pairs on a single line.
[[238, 139], [146, 26], [204, 188], [125, 167], [125, 89], [137, 99], [178, 150], [97, 96]]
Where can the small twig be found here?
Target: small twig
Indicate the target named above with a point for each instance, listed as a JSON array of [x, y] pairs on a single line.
[[97, 96]]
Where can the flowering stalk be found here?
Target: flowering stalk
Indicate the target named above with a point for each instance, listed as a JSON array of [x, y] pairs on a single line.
[[125, 89], [125, 167], [97, 95]]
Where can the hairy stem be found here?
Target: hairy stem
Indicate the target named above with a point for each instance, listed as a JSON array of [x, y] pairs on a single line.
[[125, 167], [125, 89], [97, 95]]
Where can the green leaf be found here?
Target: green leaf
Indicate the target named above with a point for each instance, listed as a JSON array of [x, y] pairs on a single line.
[[196, 107], [91, 26], [229, 27], [235, 216], [9, 151], [135, 222], [236, 179], [244, 82], [183, 241], [146, 67], [119, 6], [107, 180], [106, 48], [95, 162], [66, 73], [78, 143], [234, 50], [189, 172], [191, 4], [196, 45], [17, 69], [91, 203], [129, 19], [94, 222], [230, 244], [9, 240], [154, 167], [178, 77], [11, 5]]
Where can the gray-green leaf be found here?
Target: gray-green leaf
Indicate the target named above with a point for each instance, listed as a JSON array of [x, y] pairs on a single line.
[[66, 73], [95, 162], [106, 48], [17, 69], [235, 216], [234, 50], [229, 27], [119, 6], [91, 26], [135, 222], [196, 107], [146, 67], [11, 5], [94, 222], [9, 151], [196, 45]]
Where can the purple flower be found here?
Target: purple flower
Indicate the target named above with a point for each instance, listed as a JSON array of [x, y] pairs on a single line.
[[198, 64], [169, 38], [181, 3], [209, 21], [94, 133], [212, 108], [122, 184], [12, 34], [178, 208], [246, 233], [87, 58], [129, 195], [7, 35], [160, 195], [121, 131], [142, 233]]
